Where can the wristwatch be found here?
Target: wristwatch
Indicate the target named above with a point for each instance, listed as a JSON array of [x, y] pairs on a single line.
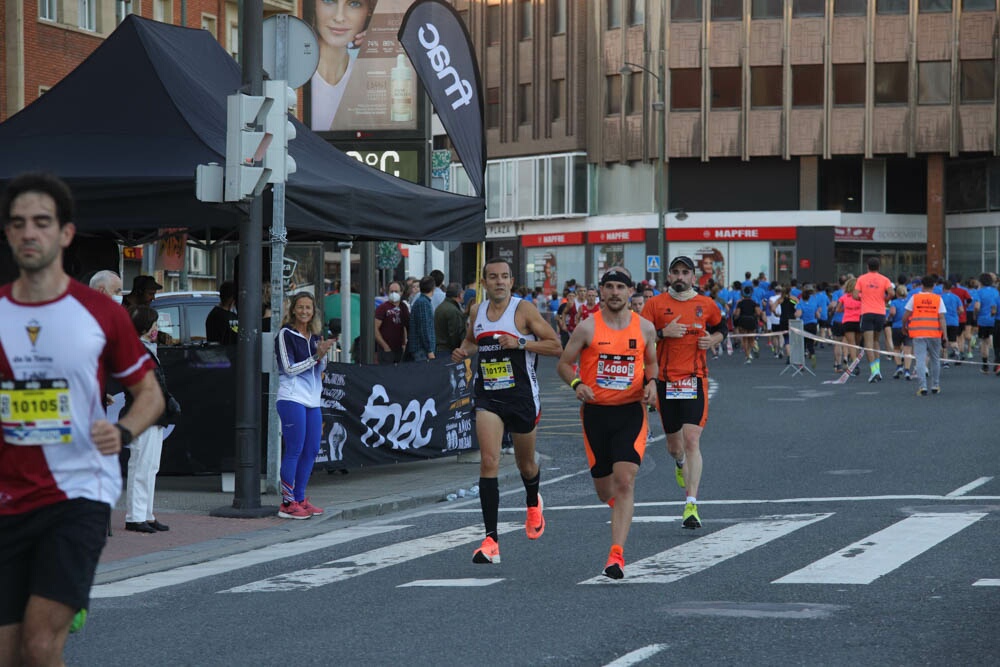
[[521, 342], [127, 436]]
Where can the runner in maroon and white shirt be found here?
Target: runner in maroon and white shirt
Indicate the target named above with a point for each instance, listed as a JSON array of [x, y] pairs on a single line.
[[60, 341]]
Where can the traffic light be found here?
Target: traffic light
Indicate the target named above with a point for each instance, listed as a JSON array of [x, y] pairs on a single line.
[[276, 124], [246, 173]]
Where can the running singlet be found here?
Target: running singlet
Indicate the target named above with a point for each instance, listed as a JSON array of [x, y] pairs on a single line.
[[852, 308], [680, 357], [612, 365], [503, 372], [55, 359]]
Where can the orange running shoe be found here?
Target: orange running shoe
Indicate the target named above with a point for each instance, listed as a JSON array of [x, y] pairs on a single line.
[[534, 525], [615, 568], [488, 552]]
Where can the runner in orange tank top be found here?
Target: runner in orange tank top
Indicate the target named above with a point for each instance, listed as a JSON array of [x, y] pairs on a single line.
[[616, 351]]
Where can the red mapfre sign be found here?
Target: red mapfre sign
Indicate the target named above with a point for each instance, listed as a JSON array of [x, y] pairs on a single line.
[[562, 238], [617, 236], [732, 234]]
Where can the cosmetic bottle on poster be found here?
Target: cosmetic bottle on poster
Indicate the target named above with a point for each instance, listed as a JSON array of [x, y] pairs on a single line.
[[401, 90]]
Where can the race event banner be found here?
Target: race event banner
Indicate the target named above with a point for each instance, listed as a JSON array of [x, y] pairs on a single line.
[[389, 414]]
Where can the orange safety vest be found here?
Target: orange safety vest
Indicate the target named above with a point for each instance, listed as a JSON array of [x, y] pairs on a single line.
[[925, 322]]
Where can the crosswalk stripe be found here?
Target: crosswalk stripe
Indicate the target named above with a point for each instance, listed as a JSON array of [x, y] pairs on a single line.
[[868, 559], [184, 574], [704, 552], [450, 583], [987, 582], [637, 656], [370, 561]]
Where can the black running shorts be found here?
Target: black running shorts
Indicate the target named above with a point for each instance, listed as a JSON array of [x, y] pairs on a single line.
[[872, 322], [613, 433], [675, 412], [519, 415], [51, 552]]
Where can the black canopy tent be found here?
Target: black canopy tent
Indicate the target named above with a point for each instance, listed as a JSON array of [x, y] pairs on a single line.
[[127, 128]]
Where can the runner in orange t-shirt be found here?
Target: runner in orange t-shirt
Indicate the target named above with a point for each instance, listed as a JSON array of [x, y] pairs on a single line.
[[687, 324], [875, 290]]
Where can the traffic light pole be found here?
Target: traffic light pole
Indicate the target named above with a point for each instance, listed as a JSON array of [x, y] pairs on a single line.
[[246, 501]]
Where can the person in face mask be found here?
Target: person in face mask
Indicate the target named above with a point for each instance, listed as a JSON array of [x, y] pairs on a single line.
[[392, 320]]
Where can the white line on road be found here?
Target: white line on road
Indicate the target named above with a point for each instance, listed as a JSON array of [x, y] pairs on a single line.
[[638, 655], [450, 583], [868, 559], [182, 575], [962, 490], [655, 438], [987, 582], [704, 552], [370, 561]]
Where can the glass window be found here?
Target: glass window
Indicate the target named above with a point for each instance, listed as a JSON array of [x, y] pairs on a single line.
[[906, 186], [892, 6], [636, 12], [169, 321], [978, 5], [934, 83], [802, 8], [557, 203], [494, 190], [87, 18], [929, 6], [727, 10], [767, 9], [558, 18], [891, 83], [581, 193], [840, 184], [965, 252], [525, 189], [492, 107], [614, 12], [493, 24], [196, 315], [613, 94], [685, 89], [47, 9], [727, 87], [163, 11], [524, 104], [541, 169], [634, 103], [994, 174], [557, 105], [965, 186], [525, 18], [977, 80], [807, 85], [850, 7], [685, 10], [509, 186], [765, 87], [848, 84]]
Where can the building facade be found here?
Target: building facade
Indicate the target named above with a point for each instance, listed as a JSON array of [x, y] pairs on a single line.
[[798, 137]]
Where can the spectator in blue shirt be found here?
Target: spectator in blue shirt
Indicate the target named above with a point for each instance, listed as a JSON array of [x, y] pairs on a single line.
[[952, 304], [422, 341]]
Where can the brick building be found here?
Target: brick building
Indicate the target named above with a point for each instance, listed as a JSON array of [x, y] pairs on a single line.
[[801, 136]]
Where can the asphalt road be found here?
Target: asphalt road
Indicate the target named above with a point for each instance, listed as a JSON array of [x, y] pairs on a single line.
[[843, 525]]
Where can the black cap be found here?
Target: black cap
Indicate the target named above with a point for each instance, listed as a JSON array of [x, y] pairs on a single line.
[[143, 283], [681, 259]]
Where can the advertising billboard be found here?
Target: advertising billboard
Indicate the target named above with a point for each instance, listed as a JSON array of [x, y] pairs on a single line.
[[365, 81]]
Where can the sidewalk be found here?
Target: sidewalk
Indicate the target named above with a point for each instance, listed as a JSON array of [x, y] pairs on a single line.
[[184, 504]]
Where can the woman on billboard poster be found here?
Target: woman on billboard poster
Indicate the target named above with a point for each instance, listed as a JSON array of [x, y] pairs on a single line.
[[340, 26], [711, 266]]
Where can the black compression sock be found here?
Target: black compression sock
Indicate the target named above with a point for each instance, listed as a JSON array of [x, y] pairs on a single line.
[[489, 500], [531, 489]]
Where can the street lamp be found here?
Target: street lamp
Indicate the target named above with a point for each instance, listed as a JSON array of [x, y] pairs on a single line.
[[661, 192]]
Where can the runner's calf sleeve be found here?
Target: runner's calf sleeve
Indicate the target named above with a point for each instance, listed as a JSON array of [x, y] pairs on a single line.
[[531, 489], [489, 500]]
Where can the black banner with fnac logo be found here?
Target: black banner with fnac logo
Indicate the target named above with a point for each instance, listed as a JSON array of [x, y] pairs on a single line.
[[390, 414]]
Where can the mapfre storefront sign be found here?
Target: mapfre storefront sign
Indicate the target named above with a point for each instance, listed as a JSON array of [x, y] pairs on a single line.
[[732, 234]]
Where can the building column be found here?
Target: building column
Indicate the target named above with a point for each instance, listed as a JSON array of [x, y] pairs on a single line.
[[935, 213]]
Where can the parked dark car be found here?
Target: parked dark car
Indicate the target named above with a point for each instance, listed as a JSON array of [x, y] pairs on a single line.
[[182, 315]]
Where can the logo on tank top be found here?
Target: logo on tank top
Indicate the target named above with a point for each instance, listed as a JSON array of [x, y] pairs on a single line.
[[33, 328]]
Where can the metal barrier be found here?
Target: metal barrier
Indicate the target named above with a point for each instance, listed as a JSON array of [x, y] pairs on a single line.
[[796, 350]]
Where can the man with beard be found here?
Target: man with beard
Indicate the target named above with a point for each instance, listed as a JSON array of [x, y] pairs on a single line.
[[617, 353], [507, 335], [687, 324]]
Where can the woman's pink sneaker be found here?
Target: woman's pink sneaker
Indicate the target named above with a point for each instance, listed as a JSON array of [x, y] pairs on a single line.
[[293, 510], [309, 507]]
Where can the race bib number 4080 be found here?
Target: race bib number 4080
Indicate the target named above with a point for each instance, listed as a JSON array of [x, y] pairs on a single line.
[[615, 371], [35, 412]]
